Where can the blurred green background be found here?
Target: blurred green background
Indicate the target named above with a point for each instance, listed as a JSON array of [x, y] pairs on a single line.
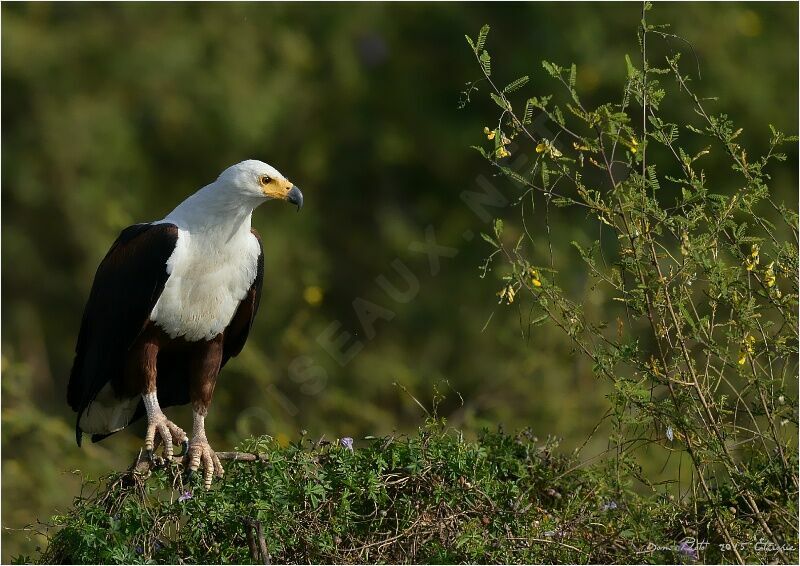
[[113, 113]]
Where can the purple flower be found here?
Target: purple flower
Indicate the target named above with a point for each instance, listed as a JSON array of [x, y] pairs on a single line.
[[608, 506], [688, 550], [347, 442], [186, 495]]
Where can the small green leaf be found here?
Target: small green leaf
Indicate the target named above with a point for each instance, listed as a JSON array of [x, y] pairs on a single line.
[[498, 228], [482, 37], [471, 43], [501, 102], [489, 239], [486, 63], [516, 85], [632, 71]]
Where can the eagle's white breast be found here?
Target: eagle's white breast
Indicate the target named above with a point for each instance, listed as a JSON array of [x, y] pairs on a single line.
[[209, 275]]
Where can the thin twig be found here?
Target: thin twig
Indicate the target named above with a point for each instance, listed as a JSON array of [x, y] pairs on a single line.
[[262, 543], [251, 539], [142, 464]]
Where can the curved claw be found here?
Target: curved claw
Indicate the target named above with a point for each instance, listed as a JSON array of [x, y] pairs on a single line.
[[201, 455], [160, 430], [184, 449], [149, 455]]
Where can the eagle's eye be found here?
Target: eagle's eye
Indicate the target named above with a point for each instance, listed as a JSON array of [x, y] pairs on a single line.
[[264, 180]]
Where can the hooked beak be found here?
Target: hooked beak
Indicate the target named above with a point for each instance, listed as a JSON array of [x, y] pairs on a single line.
[[295, 197]]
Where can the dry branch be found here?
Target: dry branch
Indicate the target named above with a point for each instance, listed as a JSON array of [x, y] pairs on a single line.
[[143, 463]]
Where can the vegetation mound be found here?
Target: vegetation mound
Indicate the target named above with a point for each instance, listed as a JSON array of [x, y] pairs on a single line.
[[433, 497]]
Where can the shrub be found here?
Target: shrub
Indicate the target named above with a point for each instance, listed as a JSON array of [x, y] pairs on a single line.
[[433, 497], [697, 277]]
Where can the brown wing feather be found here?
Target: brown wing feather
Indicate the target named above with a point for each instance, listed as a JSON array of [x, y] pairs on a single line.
[[126, 287]]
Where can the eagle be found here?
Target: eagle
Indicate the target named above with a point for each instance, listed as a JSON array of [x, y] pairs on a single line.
[[172, 301]]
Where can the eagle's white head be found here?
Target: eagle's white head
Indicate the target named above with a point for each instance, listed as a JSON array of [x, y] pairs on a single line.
[[229, 201], [253, 179]]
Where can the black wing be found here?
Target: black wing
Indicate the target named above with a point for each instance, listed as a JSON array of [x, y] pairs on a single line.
[[239, 328], [126, 288]]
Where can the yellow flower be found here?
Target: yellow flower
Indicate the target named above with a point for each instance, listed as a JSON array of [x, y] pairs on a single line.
[[654, 366], [313, 295], [489, 133], [633, 145], [751, 261], [510, 294], [685, 244], [502, 152], [534, 275], [747, 348], [580, 147], [546, 147], [507, 293], [769, 275]]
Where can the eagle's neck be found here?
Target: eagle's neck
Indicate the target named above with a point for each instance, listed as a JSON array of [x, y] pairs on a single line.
[[213, 213], [212, 267]]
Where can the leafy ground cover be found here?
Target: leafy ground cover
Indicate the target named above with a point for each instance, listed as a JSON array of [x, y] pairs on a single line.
[[433, 497]]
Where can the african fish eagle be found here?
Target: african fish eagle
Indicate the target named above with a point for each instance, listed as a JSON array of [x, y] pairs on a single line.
[[171, 303]]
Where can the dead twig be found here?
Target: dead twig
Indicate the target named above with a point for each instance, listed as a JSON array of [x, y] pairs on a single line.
[[143, 464], [251, 539], [259, 553], [262, 543]]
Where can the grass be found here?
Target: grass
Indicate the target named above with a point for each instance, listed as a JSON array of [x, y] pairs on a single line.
[[433, 497]]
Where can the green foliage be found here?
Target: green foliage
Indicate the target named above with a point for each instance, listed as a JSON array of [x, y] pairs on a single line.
[[114, 112], [428, 498], [703, 358]]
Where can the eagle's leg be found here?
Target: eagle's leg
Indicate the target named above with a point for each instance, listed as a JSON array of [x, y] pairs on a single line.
[[143, 368], [200, 451], [157, 422], [204, 376]]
